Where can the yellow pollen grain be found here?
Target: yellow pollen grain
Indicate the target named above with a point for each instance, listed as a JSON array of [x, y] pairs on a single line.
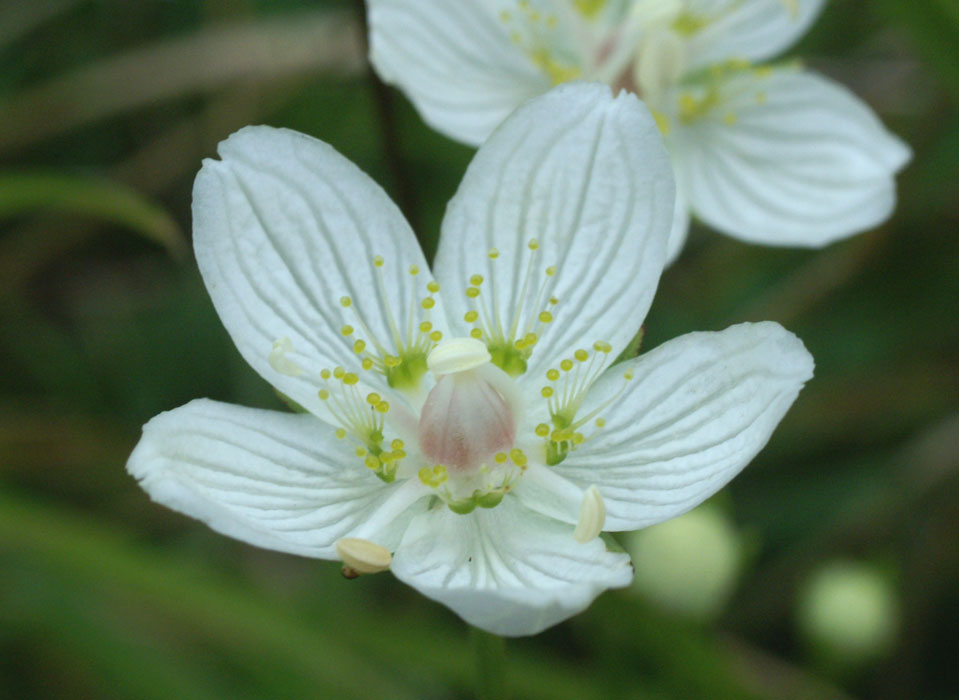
[[323, 394], [530, 340], [500, 457], [551, 270], [373, 398], [519, 459], [383, 407], [493, 253], [360, 452], [436, 336], [428, 303], [566, 365], [546, 392], [359, 346], [346, 302], [552, 374], [602, 346], [372, 462], [392, 361], [542, 430], [433, 287], [346, 330], [326, 374], [397, 444], [553, 301], [472, 292], [470, 316], [350, 378], [628, 375], [378, 261], [578, 438], [414, 270], [340, 433], [476, 333], [426, 327], [367, 363], [476, 280], [581, 355], [533, 244], [600, 422], [545, 316], [338, 372]]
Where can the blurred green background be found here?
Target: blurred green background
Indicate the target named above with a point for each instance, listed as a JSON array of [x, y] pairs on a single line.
[[107, 108]]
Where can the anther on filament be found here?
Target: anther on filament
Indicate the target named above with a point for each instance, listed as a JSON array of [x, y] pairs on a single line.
[[512, 336]]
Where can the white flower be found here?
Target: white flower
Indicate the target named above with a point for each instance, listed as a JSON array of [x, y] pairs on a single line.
[[768, 154], [479, 435]]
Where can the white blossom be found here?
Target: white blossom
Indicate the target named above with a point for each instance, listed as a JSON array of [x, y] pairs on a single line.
[[770, 154], [464, 427]]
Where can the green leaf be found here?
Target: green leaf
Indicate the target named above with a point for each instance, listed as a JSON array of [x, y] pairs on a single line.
[[23, 193]]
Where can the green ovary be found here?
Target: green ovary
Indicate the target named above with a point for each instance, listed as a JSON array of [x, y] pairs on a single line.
[[408, 373]]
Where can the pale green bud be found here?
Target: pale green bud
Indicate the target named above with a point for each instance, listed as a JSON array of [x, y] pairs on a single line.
[[688, 564], [848, 611]]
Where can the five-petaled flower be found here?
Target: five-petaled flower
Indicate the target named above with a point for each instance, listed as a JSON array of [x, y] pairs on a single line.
[[768, 154], [467, 428]]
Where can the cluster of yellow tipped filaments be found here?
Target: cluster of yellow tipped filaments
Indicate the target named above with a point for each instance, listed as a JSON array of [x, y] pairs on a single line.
[[511, 340], [405, 364], [564, 394], [533, 31], [361, 419], [486, 490]]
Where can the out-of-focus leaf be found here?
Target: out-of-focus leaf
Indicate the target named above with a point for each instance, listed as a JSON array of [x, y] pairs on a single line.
[[20, 18], [265, 50], [93, 554], [934, 28], [22, 193]]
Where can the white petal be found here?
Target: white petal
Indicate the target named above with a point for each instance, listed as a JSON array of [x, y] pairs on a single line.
[[507, 570], [789, 159], [754, 30], [587, 176], [284, 226], [275, 480], [697, 411], [680, 229], [455, 61]]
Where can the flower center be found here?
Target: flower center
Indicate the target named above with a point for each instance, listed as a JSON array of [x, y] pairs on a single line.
[[466, 419]]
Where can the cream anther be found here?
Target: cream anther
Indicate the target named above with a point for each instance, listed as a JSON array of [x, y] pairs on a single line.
[[363, 556], [660, 62], [280, 362], [457, 355], [592, 516]]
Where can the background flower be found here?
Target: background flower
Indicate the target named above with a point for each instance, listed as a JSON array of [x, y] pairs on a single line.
[[770, 154]]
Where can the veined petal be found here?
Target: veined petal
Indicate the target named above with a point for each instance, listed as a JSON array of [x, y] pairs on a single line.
[[698, 409], [680, 230], [284, 228], [275, 480], [788, 158], [455, 61], [509, 571], [574, 193], [754, 30]]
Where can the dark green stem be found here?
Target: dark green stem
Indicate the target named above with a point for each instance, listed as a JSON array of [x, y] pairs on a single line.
[[490, 652]]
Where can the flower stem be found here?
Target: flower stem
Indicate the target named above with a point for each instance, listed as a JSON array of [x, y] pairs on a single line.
[[490, 652]]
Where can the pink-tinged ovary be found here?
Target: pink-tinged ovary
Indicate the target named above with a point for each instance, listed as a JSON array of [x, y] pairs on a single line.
[[464, 422]]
